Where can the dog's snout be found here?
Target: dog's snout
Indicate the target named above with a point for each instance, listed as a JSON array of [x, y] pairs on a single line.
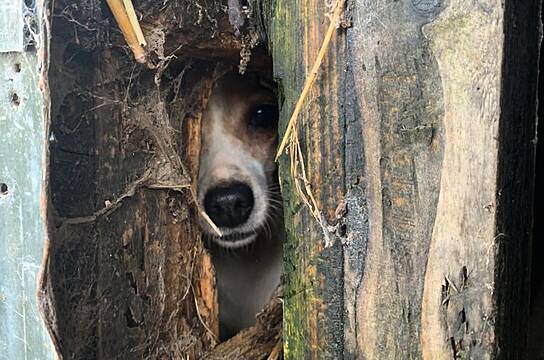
[[229, 205]]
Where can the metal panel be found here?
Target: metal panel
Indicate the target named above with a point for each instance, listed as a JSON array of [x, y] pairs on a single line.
[[22, 224], [11, 25]]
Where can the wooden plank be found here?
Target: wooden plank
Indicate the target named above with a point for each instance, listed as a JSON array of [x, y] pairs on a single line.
[[423, 170], [516, 175], [128, 276], [23, 134], [147, 288], [314, 313], [437, 183]]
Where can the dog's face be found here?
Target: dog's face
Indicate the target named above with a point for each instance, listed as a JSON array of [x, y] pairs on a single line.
[[237, 187]]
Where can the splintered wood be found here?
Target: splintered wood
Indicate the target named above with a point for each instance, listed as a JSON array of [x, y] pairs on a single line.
[[124, 14]]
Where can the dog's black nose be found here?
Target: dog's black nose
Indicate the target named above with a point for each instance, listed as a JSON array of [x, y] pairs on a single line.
[[229, 205]]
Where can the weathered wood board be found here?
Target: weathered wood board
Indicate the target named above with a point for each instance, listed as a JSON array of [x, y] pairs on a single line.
[[419, 141], [127, 273], [536, 316]]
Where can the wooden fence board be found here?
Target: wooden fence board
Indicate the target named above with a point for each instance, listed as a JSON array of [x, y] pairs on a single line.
[[409, 157]]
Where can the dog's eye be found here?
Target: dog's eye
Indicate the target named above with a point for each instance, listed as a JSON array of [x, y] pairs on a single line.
[[264, 116]]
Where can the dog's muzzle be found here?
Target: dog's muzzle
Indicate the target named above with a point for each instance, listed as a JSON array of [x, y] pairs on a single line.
[[229, 205]]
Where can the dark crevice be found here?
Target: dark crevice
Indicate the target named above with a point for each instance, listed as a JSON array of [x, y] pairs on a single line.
[[536, 317], [131, 323]]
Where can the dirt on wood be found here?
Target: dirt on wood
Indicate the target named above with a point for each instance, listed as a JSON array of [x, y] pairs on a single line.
[[127, 275]]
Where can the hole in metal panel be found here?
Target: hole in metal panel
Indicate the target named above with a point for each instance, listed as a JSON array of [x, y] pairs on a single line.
[[15, 99]]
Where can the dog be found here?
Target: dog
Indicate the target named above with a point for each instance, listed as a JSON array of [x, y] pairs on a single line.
[[239, 191]]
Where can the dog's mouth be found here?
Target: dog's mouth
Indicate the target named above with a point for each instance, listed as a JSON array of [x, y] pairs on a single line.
[[236, 239]]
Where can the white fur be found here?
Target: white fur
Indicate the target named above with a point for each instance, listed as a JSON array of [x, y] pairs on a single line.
[[223, 161], [248, 267]]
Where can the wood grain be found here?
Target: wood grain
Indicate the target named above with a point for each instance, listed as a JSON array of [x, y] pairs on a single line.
[[406, 141], [128, 275]]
